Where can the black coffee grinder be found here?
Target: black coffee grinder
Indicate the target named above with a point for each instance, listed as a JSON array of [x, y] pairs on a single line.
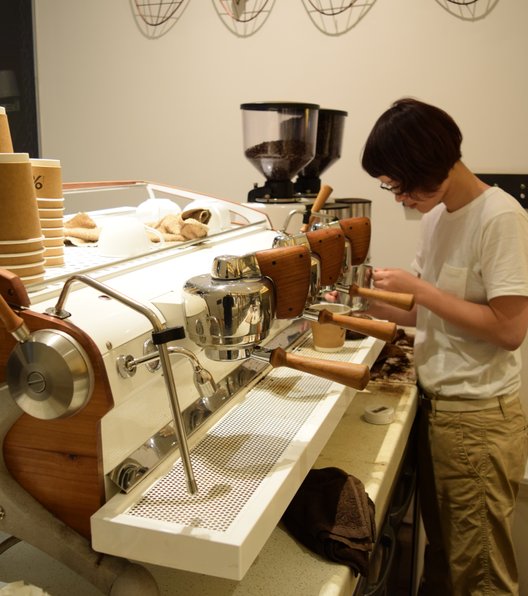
[[279, 140], [330, 127]]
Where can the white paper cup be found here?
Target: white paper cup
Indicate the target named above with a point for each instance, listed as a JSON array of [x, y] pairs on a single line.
[[328, 337], [125, 236], [152, 210], [220, 216]]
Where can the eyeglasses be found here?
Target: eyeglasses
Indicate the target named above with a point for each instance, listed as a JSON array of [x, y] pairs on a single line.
[[394, 189]]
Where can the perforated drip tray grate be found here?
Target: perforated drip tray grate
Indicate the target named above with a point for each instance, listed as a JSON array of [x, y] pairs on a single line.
[[236, 455], [248, 466]]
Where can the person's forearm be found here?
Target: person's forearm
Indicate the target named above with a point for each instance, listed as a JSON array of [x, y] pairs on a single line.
[[482, 321], [387, 312]]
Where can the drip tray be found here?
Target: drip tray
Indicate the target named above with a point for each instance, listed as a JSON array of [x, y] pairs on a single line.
[[248, 466]]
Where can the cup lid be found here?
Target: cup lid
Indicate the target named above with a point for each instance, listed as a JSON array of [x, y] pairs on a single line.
[[53, 163], [14, 157]]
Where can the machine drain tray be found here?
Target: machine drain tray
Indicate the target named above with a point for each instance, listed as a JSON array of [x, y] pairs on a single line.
[[248, 466]]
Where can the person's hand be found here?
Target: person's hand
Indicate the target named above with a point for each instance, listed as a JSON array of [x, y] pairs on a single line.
[[332, 296], [395, 280]]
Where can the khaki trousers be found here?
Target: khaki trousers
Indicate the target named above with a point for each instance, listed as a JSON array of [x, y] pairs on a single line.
[[470, 466]]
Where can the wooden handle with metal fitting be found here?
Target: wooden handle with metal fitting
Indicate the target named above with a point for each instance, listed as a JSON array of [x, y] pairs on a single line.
[[329, 245], [322, 196], [352, 375], [12, 289], [398, 299], [358, 231], [384, 330], [288, 268], [12, 322]]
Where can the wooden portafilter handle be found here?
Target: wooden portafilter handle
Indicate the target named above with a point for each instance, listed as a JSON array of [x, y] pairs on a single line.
[[398, 299], [12, 322], [352, 375], [384, 330], [319, 203]]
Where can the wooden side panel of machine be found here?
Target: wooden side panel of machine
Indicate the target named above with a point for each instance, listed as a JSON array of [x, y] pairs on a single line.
[[59, 462]]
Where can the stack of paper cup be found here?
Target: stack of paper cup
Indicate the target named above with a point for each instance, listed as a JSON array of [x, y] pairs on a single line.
[[47, 178], [6, 144], [21, 241]]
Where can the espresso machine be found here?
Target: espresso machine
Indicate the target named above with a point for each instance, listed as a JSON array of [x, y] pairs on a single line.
[[164, 408]]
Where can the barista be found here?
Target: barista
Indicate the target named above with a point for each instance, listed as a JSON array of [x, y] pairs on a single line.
[[470, 283]]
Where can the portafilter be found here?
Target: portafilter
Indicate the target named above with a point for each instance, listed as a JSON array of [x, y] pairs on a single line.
[[230, 311], [327, 248]]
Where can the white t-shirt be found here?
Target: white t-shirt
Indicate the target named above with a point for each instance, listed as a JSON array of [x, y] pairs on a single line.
[[477, 253]]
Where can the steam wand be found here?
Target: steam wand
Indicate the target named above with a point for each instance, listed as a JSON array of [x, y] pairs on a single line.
[[161, 334]]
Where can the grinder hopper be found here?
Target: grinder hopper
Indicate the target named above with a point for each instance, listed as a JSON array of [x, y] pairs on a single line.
[[330, 127], [279, 140]]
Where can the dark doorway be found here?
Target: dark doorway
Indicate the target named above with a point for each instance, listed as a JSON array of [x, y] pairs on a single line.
[[17, 74]]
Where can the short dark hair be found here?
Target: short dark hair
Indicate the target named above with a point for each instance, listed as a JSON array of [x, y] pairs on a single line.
[[414, 144]]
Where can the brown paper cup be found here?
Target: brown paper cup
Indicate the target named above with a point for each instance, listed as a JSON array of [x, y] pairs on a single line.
[[51, 222], [14, 246], [54, 261], [20, 259], [55, 251], [19, 218], [36, 268], [53, 232], [50, 203], [31, 280], [53, 242], [6, 143], [50, 213], [47, 178], [327, 337]]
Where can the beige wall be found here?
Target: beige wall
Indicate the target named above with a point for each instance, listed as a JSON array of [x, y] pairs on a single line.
[[114, 104]]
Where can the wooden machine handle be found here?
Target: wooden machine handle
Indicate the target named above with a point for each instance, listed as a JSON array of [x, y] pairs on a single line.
[[322, 196], [12, 322], [352, 375], [12, 289], [329, 245], [358, 232], [384, 330], [400, 300], [289, 269]]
